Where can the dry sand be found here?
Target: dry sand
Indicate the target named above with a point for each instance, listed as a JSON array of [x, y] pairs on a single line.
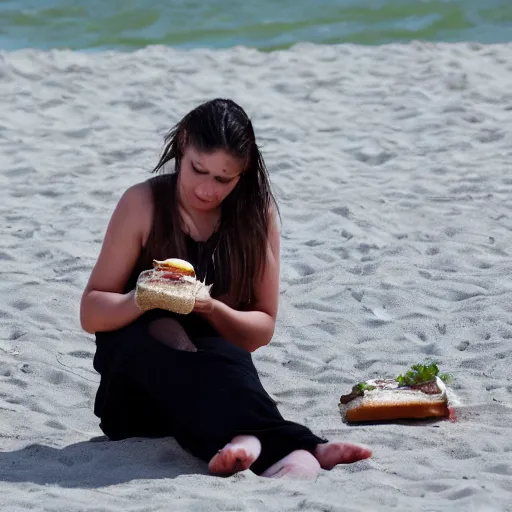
[[393, 170]]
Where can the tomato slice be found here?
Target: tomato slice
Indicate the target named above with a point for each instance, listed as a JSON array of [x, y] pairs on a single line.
[[170, 275]]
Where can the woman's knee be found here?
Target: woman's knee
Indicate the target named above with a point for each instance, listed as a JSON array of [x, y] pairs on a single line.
[[171, 333]]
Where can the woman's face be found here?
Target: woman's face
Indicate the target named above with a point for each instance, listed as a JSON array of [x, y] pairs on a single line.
[[206, 179]]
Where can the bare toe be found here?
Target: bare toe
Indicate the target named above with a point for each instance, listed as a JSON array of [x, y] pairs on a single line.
[[230, 460], [331, 454]]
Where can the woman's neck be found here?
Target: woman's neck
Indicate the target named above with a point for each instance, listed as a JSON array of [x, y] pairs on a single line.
[[200, 225]]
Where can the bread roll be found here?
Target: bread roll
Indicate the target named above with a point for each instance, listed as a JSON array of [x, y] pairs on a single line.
[[171, 285]]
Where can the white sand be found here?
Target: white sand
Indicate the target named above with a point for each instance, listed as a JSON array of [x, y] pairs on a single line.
[[393, 170]]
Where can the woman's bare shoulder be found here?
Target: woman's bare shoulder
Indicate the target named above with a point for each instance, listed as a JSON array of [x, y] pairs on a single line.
[[137, 203], [138, 195], [125, 236], [274, 217]]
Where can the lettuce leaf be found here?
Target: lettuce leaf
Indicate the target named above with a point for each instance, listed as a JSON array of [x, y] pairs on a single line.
[[421, 373]]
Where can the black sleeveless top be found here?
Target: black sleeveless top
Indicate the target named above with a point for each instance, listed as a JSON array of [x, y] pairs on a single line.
[[202, 255]]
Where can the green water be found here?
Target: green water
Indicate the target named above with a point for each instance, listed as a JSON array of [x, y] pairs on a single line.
[[264, 24]]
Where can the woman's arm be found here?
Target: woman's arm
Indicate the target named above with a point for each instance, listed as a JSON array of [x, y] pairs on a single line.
[[104, 305], [249, 330], [252, 329], [107, 311]]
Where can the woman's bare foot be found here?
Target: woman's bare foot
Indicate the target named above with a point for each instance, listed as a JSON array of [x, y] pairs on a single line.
[[333, 453], [298, 464], [238, 455]]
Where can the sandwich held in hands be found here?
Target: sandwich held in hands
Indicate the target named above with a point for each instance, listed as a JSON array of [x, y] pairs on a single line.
[[170, 285], [420, 393]]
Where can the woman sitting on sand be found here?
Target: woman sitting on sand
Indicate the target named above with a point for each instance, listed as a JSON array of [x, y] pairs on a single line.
[[192, 377]]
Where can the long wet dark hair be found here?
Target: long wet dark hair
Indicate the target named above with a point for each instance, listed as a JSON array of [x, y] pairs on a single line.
[[240, 250]]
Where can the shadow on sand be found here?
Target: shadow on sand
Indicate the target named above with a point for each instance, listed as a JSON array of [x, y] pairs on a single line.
[[99, 462]]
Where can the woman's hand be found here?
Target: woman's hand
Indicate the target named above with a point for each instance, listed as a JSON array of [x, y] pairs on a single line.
[[246, 329], [204, 305]]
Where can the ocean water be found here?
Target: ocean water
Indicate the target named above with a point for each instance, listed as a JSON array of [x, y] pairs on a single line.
[[265, 24]]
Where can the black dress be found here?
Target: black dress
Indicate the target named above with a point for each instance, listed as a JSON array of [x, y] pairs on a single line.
[[203, 399]]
